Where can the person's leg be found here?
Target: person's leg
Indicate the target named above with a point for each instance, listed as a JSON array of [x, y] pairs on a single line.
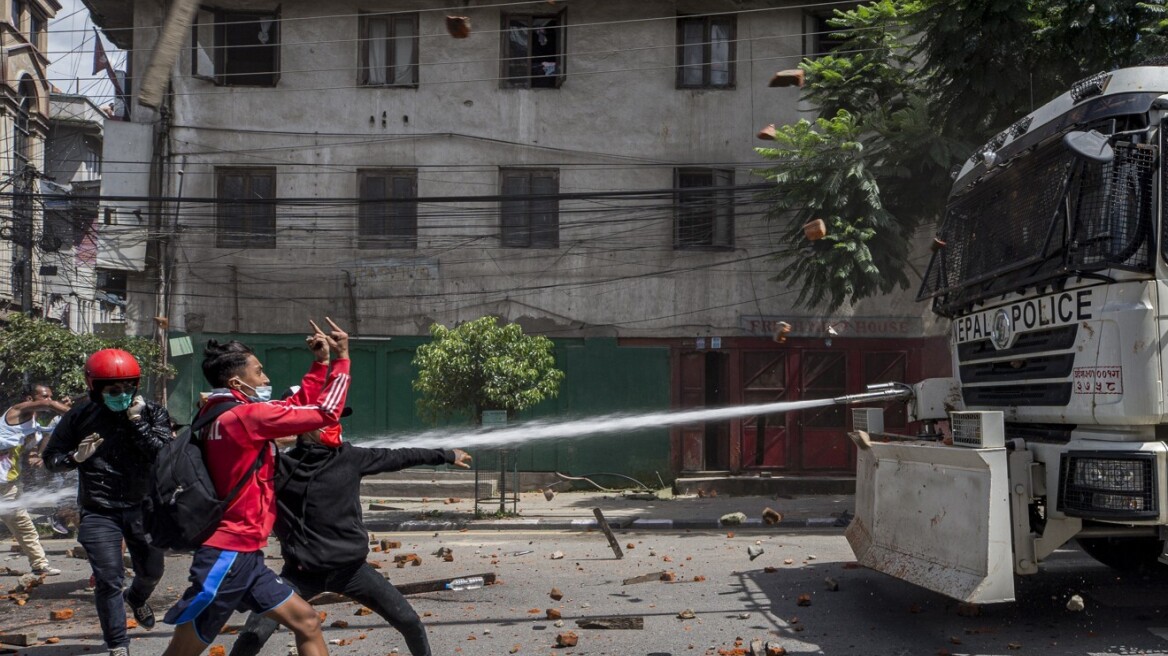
[[259, 627], [185, 642], [23, 530], [101, 537], [368, 587], [301, 619], [147, 562]]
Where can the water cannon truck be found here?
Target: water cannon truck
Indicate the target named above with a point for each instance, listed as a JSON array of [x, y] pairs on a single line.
[[1051, 264]]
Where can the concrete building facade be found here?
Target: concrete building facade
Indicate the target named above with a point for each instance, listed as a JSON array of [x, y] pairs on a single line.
[[583, 168], [24, 124]]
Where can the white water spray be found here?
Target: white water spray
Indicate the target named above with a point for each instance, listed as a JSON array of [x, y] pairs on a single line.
[[533, 431], [43, 498]]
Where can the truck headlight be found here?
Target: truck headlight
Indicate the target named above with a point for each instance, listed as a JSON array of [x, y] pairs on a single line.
[[1108, 485]]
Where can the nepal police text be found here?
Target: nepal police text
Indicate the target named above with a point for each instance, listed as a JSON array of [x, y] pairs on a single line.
[[1052, 310]]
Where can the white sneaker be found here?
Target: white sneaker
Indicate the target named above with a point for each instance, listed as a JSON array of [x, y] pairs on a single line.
[[46, 571], [119, 651]]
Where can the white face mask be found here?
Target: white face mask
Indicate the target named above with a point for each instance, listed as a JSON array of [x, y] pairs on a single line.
[[262, 393]]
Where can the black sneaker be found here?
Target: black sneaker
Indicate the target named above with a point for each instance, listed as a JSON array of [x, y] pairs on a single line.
[[144, 614]]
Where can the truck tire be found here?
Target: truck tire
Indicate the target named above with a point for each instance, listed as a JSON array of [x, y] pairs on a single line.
[[1127, 554]]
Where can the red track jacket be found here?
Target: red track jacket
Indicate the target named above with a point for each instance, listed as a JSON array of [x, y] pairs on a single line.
[[236, 438]]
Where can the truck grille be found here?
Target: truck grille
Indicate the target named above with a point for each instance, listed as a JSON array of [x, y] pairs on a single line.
[[1034, 355], [1018, 395]]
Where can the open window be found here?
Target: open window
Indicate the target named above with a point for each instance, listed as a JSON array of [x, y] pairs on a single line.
[[388, 213], [706, 51], [530, 209], [820, 38], [705, 208], [236, 48], [533, 50], [389, 49]]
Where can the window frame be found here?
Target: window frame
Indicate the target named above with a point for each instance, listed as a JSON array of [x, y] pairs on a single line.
[[516, 229], [218, 47], [707, 43], [816, 42], [248, 237], [17, 9], [364, 43], [387, 238], [506, 80], [718, 178], [38, 26]]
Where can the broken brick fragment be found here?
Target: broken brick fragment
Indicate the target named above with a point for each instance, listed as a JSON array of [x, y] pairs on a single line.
[[556, 594], [804, 600], [567, 639], [364, 610], [458, 26], [61, 615], [771, 516], [218, 650], [553, 614], [340, 624]]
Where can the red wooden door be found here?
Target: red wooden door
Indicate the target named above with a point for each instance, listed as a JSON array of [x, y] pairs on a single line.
[[764, 436], [823, 439], [692, 395]]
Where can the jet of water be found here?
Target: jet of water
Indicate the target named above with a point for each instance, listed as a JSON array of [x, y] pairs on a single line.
[[39, 498], [533, 431]]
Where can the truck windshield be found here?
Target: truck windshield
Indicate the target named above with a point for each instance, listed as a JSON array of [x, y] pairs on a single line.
[[1043, 216]]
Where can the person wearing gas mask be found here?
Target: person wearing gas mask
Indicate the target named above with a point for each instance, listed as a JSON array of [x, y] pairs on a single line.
[[112, 438]]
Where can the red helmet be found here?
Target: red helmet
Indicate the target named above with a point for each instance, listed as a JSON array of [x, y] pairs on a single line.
[[111, 364]]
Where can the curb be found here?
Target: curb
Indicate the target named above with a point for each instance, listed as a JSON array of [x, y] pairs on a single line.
[[618, 523]]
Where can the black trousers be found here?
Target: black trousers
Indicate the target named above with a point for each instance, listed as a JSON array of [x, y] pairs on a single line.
[[359, 582], [101, 536]]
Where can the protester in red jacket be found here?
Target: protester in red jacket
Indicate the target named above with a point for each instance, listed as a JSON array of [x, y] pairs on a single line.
[[228, 571]]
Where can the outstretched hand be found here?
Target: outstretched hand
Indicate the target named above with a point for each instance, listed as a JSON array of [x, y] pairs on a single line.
[[461, 459], [338, 339]]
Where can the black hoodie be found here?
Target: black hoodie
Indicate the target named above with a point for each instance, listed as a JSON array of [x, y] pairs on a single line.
[[318, 500]]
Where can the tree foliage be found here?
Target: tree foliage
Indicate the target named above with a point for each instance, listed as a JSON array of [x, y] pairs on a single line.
[[38, 351], [481, 365], [911, 89]]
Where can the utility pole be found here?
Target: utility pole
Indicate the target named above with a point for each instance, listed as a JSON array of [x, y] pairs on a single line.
[[22, 212]]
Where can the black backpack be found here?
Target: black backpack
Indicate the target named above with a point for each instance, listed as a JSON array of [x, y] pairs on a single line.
[[182, 508]]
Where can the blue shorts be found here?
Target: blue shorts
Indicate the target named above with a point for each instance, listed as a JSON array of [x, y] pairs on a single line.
[[223, 582]]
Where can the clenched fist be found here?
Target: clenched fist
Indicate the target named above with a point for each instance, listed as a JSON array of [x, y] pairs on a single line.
[[135, 410]]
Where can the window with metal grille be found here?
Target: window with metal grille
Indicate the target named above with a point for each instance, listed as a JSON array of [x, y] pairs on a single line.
[[388, 214], [706, 51], [533, 50], [530, 210], [236, 48], [389, 49], [1046, 214], [246, 213], [704, 208]]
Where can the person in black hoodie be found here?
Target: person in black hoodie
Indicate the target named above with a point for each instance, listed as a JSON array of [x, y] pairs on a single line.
[[112, 438], [322, 535]]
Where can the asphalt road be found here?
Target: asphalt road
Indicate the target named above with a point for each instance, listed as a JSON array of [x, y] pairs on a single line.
[[732, 598]]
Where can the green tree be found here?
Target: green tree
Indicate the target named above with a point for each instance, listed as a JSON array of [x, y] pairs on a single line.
[[481, 365], [34, 350], [912, 89]]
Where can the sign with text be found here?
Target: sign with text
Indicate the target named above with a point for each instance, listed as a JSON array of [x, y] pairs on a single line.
[[765, 326], [1098, 380]]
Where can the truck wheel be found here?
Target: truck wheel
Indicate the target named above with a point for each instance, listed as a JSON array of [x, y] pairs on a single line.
[[1127, 554]]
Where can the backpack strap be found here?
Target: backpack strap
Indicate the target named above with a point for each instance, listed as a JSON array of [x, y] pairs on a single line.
[[209, 416]]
